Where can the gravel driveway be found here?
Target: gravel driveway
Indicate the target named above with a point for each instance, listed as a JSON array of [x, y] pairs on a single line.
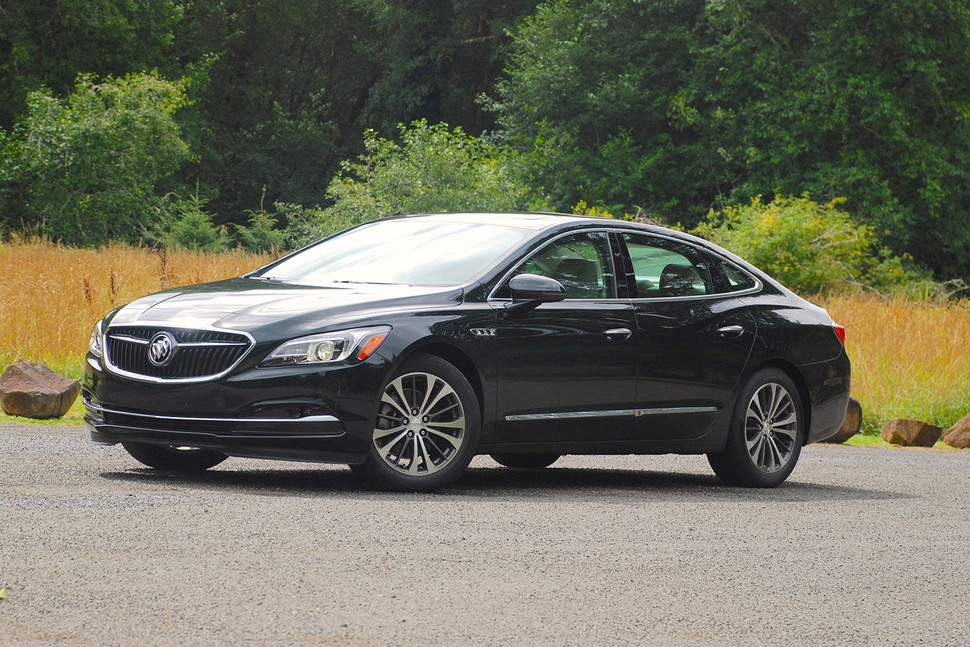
[[860, 547]]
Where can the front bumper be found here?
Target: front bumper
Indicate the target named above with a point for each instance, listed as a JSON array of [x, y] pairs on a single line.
[[316, 437], [324, 415]]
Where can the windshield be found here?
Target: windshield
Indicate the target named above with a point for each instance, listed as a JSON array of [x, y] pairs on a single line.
[[401, 252]]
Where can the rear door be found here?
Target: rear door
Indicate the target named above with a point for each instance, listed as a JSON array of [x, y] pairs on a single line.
[[695, 336]]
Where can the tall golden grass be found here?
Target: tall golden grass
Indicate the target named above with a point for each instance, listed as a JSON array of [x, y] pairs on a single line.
[[909, 357], [51, 296]]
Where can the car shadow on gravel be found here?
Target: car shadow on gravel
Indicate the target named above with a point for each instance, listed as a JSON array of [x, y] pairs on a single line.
[[490, 483]]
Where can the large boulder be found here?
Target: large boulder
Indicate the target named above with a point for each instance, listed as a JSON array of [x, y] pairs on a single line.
[[910, 433], [959, 434], [850, 426], [32, 390]]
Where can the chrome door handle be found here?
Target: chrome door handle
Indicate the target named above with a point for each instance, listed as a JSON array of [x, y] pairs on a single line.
[[615, 334], [731, 331]]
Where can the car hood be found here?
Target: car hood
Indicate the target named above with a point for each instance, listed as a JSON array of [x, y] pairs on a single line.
[[271, 309]]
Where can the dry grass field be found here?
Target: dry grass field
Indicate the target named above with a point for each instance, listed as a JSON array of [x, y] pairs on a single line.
[[51, 296], [909, 357]]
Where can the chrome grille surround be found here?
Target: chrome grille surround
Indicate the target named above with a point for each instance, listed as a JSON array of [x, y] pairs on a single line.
[[196, 354]]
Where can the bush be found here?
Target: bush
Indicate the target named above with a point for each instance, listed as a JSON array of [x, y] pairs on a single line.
[[433, 169], [809, 247], [84, 171]]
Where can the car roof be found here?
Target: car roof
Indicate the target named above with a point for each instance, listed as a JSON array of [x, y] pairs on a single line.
[[535, 221]]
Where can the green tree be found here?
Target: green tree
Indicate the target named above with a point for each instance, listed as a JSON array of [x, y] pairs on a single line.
[[187, 225], [46, 43], [84, 170], [587, 99], [859, 98], [678, 106], [432, 169]]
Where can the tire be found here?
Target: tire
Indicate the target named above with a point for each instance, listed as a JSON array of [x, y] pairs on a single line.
[[766, 434], [526, 461], [174, 459], [427, 427]]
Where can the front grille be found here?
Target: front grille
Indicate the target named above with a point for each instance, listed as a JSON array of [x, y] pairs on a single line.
[[197, 354]]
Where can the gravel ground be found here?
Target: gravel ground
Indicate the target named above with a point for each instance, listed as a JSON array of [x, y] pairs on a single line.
[[860, 547]]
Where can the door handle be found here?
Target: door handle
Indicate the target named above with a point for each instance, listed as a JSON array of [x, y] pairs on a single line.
[[616, 334], [731, 331]]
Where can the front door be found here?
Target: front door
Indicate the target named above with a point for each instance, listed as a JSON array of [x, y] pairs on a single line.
[[566, 371]]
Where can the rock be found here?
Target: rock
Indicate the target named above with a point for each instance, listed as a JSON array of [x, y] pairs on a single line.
[[850, 426], [32, 390], [910, 433], [959, 434]]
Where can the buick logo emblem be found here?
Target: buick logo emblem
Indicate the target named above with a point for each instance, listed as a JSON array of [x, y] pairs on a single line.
[[161, 349]]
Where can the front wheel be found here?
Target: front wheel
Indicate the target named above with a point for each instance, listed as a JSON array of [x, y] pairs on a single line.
[[174, 459], [427, 427], [766, 434]]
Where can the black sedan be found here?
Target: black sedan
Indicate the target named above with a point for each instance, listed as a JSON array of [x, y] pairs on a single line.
[[404, 347]]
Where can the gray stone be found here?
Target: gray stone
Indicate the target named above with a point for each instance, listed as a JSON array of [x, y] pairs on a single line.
[[910, 433], [32, 390], [851, 425], [959, 434]]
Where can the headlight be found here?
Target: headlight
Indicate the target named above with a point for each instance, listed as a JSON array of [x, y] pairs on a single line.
[[96, 344], [327, 348]]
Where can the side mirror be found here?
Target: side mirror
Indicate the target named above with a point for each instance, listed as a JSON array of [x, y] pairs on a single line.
[[530, 290]]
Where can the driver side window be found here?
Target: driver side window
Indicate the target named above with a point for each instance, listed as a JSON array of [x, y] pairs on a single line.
[[581, 262]]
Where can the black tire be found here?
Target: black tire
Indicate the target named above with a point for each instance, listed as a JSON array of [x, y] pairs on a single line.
[[766, 435], [174, 459], [427, 427], [525, 461]]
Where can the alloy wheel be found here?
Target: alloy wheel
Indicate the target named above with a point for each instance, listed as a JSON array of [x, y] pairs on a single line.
[[420, 424], [771, 427]]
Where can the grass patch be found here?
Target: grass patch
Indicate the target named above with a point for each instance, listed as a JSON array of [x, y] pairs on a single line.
[[909, 357], [51, 295]]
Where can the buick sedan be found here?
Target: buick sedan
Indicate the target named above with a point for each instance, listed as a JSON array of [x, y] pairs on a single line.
[[406, 346]]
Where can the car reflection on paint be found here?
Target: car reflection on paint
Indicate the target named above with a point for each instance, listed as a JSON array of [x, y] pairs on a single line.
[[404, 347]]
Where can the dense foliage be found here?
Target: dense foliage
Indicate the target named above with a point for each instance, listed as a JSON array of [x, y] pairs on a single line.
[[431, 170], [809, 247], [684, 105], [668, 108], [85, 169]]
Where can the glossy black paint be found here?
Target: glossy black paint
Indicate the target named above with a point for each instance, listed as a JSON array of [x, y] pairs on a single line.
[[620, 374]]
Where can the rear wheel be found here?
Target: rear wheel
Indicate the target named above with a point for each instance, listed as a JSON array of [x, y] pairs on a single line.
[[766, 434], [427, 427], [526, 461], [174, 459]]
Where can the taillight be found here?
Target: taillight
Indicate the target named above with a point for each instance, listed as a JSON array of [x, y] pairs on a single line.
[[840, 331]]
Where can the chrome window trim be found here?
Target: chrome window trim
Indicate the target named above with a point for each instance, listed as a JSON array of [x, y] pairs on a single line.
[[169, 325], [613, 413], [311, 419], [758, 284]]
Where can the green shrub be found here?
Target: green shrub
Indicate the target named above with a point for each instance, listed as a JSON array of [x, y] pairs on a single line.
[[432, 169], [84, 171], [188, 226], [809, 247]]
